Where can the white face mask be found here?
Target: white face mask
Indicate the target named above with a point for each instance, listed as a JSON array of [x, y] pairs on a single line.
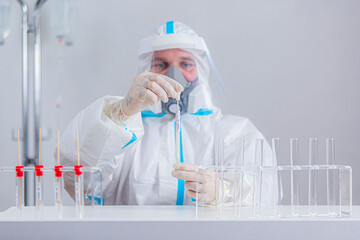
[[170, 107]]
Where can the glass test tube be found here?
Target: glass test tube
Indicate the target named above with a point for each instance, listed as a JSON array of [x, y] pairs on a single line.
[[239, 178], [177, 132], [216, 162], [197, 205], [96, 187], [295, 178], [79, 191], [257, 178], [275, 144], [313, 162], [330, 174], [222, 175], [19, 190], [39, 203], [58, 190], [219, 163], [345, 191]]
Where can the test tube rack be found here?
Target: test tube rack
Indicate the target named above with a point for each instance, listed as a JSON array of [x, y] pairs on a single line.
[[286, 191], [92, 190]]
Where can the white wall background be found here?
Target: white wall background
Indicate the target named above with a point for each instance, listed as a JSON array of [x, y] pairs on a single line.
[[292, 67]]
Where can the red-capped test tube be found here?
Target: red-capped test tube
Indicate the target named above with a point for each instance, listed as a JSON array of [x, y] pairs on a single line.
[[79, 190], [19, 189], [59, 189], [39, 203]]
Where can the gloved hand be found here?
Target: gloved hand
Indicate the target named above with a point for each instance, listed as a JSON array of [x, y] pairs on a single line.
[[206, 182], [146, 90]]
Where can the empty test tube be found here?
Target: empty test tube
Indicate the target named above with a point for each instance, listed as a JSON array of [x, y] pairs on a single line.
[[295, 178], [219, 163], [239, 178], [313, 162], [275, 145], [257, 178], [330, 174], [219, 151]]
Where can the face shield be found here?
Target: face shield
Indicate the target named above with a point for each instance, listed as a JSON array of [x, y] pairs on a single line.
[[175, 50]]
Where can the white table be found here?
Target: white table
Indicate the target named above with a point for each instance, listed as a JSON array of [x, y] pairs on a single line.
[[168, 222]]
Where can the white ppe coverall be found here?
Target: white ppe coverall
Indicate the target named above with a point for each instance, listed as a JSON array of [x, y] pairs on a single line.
[[137, 156]]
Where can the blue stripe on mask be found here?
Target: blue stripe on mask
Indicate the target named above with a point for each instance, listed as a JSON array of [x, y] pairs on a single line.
[[170, 27], [181, 183]]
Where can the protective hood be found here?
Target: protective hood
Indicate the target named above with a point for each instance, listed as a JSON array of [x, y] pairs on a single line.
[[176, 35]]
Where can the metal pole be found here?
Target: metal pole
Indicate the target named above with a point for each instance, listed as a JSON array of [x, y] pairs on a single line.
[[25, 100], [37, 74], [37, 79], [27, 161]]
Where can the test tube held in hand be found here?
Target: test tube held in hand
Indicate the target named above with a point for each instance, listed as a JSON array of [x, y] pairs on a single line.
[[177, 132]]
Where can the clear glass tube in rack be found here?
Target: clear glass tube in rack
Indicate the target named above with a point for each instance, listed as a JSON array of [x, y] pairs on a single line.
[[219, 163], [79, 190], [257, 178], [291, 199], [313, 175], [58, 190], [19, 190], [96, 188], [295, 176], [39, 203], [345, 191], [239, 178], [275, 146], [330, 174]]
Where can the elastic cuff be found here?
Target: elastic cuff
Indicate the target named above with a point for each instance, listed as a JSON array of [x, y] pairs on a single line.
[[116, 113], [122, 116]]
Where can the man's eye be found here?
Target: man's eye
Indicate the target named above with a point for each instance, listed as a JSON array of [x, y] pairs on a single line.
[[187, 65], [160, 65]]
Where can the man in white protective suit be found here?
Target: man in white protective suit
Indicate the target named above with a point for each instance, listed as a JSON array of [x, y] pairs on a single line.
[[132, 138]]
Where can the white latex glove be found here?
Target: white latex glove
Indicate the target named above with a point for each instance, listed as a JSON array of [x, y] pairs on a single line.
[[147, 89], [206, 182]]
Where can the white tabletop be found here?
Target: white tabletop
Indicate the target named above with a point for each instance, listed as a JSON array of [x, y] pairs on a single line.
[[164, 222]]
